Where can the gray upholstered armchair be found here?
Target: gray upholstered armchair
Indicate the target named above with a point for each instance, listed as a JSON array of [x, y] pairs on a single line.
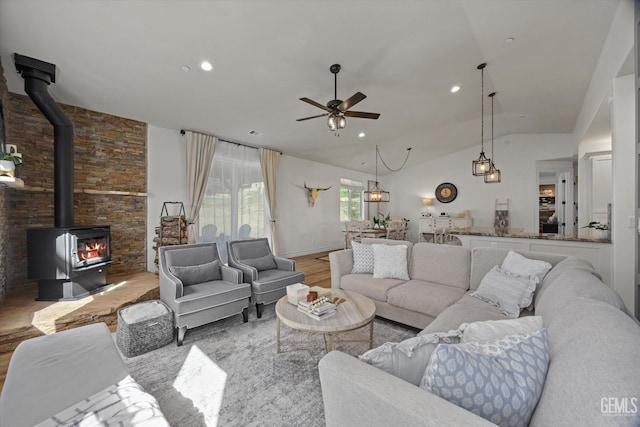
[[269, 275], [199, 288]]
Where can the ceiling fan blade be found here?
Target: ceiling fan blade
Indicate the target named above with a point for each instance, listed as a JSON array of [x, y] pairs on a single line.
[[357, 97], [312, 117], [361, 114], [316, 104]]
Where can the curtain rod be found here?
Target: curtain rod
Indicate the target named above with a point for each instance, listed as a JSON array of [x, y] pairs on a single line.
[[182, 132]]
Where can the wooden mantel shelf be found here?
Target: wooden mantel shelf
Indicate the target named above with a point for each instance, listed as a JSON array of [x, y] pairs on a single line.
[[13, 183], [87, 191]]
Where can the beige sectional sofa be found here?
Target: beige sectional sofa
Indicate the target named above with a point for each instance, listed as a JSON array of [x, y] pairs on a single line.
[[592, 379]]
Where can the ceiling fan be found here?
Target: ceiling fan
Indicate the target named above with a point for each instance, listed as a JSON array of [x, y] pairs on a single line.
[[337, 109]]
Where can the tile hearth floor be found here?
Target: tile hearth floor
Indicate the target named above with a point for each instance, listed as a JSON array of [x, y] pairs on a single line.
[[21, 317]]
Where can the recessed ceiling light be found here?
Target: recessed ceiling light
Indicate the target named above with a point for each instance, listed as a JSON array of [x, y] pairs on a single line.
[[186, 68], [455, 88], [206, 66], [509, 40], [362, 135]]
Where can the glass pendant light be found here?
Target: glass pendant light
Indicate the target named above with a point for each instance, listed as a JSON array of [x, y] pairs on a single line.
[[493, 175], [480, 166]]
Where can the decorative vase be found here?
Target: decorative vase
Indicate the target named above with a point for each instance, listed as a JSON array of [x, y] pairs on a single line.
[[7, 168]]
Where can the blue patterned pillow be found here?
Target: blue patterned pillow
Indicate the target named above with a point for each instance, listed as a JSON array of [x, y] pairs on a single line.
[[362, 258], [499, 380]]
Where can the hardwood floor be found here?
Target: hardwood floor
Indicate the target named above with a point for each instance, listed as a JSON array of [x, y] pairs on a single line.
[[21, 317]]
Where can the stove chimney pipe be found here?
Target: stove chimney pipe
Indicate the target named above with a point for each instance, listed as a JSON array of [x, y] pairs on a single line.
[[37, 77]]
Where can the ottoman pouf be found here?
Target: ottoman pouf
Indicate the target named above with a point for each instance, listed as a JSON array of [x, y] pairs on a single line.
[[143, 327]]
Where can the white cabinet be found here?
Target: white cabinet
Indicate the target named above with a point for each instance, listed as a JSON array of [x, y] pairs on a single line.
[[428, 227]]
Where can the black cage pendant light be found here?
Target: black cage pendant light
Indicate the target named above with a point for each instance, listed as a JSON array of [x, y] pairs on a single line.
[[481, 165], [493, 175], [376, 194]]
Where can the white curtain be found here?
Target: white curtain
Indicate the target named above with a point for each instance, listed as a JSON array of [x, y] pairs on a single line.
[[269, 161], [200, 149], [234, 204]]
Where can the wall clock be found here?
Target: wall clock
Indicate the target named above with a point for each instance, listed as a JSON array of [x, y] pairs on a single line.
[[446, 192]]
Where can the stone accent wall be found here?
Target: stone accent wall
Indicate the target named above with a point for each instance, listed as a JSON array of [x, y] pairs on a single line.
[[110, 182]]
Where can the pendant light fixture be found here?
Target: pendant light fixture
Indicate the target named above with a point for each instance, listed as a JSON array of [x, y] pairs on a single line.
[[376, 194], [493, 175], [480, 166]]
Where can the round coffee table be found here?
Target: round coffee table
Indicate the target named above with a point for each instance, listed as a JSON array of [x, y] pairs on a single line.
[[356, 312]]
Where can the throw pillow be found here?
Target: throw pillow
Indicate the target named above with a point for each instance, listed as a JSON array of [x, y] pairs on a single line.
[[362, 258], [517, 264], [390, 262], [490, 330], [194, 274], [509, 292], [262, 263], [408, 359], [500, 380]]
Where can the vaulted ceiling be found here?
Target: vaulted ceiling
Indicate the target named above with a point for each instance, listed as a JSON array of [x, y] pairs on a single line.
[[128, 58]]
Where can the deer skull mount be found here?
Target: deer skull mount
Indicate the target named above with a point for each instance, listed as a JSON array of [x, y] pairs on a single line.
[[312, 193]]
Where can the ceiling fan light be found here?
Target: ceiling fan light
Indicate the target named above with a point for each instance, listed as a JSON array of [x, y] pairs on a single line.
[[342, 122], [332, 122]]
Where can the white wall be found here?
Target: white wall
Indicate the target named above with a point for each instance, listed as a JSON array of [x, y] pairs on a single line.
[[304, 229], [166, 178], [516, 157], [623, 206]]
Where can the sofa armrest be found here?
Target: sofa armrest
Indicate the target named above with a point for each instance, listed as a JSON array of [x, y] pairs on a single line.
[[340, 263], [285, 264], [249, 273], [171, 288], [230, 274], [357, 394]]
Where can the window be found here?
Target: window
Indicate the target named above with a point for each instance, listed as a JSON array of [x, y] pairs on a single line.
[[350, 200], [234, 204]]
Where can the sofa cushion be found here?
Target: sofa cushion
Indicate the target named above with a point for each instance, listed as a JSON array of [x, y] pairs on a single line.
[[522, 266], [366, 285], [424, 297], [466, 310], [408, 359], [490, 330], [569, 263], [261, 263], [594, 350], [444, 264], [194, 274], [484, 259], [570, 285], [500, 380], [509, 292], [362, 258], [390, 262]]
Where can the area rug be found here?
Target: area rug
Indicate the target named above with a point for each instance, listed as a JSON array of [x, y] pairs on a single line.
[[229, 374]]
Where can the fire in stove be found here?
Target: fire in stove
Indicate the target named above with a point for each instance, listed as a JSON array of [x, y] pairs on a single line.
[[91, 250]]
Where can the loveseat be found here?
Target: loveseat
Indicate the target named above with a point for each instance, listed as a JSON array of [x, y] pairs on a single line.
[[593, 344], [70, 375]]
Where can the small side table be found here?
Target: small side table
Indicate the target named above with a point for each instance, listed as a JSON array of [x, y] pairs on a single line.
[[143, 327]]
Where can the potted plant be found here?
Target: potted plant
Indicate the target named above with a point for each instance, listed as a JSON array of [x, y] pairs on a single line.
[[8, 163], [598, 229], [382, 221]]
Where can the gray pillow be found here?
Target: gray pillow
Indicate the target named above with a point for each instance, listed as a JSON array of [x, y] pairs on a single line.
[[263, 263], [362, 258], [194, 274], [509, 292]]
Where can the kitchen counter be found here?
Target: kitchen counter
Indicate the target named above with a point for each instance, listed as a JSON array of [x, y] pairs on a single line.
[[519, 234]]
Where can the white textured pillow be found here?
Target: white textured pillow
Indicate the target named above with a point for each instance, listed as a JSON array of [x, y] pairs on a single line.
[[362, 258], [493, 329], [509, 292], [390, 262], [408, 359], [518, 264]]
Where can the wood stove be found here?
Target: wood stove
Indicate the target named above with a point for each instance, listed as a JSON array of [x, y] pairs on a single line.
[[69, 263], [67, 260]]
